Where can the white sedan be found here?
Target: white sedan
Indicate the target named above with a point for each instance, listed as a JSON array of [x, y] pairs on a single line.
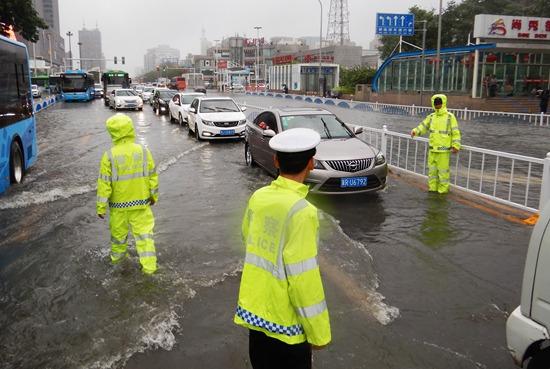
[[179, 106], [125, 98], [216, 118]]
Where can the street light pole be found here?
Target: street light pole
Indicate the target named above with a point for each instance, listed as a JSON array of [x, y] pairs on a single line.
[[50, 44], [70, 48], [216, 69], [257, 28], [438, 54], [320, 49], [80, 54]]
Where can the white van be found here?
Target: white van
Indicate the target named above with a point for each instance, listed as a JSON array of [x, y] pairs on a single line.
[[527, 327]]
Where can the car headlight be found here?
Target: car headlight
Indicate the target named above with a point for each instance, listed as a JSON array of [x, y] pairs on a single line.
[[162, 102], [318, 164], [243, 121], [380, 159], [207, 122]]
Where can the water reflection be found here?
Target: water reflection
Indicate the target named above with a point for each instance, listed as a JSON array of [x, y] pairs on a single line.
[[435, 230]]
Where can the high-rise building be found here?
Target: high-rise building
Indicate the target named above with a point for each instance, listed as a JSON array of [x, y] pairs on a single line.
[[90, 49], [50, 48], [205, 44], [162, 54]]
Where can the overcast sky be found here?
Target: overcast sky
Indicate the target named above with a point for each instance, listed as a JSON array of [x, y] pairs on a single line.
[[129, 27]]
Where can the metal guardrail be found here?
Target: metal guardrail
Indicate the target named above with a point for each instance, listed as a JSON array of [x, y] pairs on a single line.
[[412, 110], [46, 102], [516, 180]]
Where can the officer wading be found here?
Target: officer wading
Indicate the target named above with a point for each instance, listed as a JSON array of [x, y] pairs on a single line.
[[281, 297], [444, 139], [128, 183]]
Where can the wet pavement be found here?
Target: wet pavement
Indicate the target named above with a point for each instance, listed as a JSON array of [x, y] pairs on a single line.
[[412, 280]]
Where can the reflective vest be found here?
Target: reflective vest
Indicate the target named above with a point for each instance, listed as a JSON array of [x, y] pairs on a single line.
[[443, 128], [281, 292], [127, 176]]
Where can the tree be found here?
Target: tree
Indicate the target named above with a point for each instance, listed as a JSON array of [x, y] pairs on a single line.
[[21, 15], [349, 77]]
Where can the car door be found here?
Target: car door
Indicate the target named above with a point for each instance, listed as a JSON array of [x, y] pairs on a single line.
[[540, 305], [174, 105], [192, 115], [263, 153]]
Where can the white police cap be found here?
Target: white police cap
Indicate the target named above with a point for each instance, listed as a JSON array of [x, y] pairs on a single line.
[[295, 140]]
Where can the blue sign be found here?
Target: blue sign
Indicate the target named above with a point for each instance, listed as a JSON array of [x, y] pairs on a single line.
[[388, 24]]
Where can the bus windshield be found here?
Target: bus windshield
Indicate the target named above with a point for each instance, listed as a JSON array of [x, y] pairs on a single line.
[[74, 83]]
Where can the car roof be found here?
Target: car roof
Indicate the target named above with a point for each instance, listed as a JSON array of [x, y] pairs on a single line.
[[191, 93], [215, 98], [302, 111]]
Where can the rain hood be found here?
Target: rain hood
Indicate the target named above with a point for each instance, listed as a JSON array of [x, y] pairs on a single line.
[[121, 128], [443, 109]]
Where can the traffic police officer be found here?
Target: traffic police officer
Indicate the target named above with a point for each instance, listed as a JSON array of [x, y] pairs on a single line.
[[281, 297], [128, 183], [444, 139]]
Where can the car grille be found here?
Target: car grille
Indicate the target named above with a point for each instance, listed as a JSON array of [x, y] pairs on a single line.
[[351, 166], [226, 124], [333, 185]]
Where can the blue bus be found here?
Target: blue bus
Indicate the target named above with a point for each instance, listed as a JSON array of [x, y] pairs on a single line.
[[18, 148], [77, 85]]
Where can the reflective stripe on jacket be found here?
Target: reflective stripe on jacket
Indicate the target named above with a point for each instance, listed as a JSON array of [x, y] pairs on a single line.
[[127, 175], [442, 127], [281, 292]]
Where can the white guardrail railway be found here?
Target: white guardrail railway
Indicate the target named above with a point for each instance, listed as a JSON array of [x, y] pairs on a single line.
[[412, 110], [516, 180]]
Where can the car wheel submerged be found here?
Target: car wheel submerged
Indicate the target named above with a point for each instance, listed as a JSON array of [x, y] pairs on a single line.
[[540, 360], [180, 120], [16, 163], [197, 134], [248, 158]]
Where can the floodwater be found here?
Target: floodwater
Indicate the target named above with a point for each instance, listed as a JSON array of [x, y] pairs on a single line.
[[412, 280]]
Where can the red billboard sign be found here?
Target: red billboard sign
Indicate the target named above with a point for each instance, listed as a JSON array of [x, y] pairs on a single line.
[[222, 64], [282, 59]]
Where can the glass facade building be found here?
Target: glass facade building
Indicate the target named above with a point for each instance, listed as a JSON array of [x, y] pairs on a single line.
[[497, 72]]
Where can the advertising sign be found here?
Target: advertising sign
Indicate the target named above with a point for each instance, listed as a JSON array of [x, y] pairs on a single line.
[[390, 24], [512, 27], [222, 64]]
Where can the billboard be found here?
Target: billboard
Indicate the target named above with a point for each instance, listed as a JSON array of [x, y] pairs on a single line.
[[511, 27]]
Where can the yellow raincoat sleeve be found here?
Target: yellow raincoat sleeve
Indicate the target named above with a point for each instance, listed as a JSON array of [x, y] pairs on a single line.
[[153, 177], [104, 188], [246, 223], [455, 133], [306, 288], [423, 127]]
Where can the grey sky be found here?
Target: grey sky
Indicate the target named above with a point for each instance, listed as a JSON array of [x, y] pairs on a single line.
[[129, 27]]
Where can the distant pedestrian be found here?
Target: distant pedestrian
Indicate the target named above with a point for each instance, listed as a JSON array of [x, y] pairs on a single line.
[[285, 89], [444, 139], [128, 184], [281, 298], [544, 97]]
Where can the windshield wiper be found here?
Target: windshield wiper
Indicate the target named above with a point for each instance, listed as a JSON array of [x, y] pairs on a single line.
[[208, 108], [327, 132]]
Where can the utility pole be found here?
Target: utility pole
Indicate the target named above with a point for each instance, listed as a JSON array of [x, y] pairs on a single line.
[[438, 55], [80, 54], [70, 49], [216, 69], [257, 28], [51, 59], [320, 50]]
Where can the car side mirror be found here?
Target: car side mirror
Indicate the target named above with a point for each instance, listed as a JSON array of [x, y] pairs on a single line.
[[192, 110], [243, 108], [269, 133], [357, 130]]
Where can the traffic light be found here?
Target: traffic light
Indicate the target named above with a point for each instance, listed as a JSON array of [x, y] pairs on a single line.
[[122, 59], [115, 59]]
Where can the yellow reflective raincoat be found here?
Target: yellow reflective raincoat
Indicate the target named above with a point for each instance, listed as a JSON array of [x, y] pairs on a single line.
[[281, 292], [444, 135], [127, 183]]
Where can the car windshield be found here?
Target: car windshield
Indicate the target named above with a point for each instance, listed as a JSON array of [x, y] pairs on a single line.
[[166, 95], [188, 99], [212, 106], [328, 126], [148, 89], [125, 93]]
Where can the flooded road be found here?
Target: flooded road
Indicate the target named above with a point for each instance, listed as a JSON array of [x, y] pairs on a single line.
[[412, 280]]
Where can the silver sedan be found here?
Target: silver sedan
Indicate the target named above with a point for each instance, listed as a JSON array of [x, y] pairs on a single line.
[[343, 163]]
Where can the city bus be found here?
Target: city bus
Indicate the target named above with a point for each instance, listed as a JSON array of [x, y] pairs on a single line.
[[178, 83], [113, 79], [55, 83], [77, 85], [17, 121], [194, 80]]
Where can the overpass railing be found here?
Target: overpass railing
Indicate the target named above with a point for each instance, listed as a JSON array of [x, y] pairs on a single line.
[[412, 110], [515, 180]]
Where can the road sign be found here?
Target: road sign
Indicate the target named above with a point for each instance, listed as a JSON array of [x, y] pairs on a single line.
[[394, 24]]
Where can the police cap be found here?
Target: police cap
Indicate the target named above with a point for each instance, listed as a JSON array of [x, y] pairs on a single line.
[[295, 140]]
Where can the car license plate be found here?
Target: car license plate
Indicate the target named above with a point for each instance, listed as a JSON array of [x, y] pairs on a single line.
[[353, 182], [227, 132]]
